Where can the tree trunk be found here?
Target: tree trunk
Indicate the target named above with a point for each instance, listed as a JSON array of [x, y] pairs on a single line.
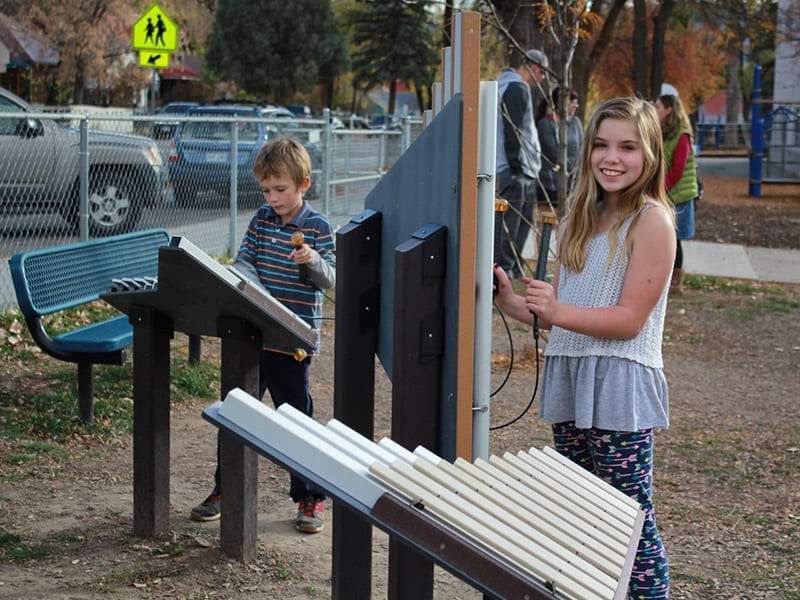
[[639, 47], [586, 56], [447, 19], [733, 104], [392, 96], [354, 103], [329, 88], [420, 97], [78, 84], [518, 18], [660, 22]]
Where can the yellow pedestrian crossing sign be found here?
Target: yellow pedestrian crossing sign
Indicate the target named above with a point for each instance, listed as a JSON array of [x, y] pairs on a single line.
[[155, 31], [153, 60]]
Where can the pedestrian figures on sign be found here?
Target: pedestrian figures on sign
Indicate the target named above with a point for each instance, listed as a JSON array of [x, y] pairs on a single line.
[[160, 29], [149, 29]]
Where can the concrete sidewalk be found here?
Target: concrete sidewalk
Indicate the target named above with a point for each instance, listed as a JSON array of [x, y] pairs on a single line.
[[728, 260], [741, 262]]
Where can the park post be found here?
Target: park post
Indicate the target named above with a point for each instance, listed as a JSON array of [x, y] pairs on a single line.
[[358, 250], [420, 265], [756, 137], [238, 464], [152, 332]]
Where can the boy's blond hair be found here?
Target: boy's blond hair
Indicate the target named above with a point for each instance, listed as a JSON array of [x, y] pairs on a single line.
[[283, 157]]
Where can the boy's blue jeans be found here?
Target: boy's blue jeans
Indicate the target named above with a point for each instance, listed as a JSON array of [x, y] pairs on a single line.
[[625, 460], [287, 381]]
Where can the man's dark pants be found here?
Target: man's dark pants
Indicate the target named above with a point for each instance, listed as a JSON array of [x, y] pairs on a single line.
[[517, 190]]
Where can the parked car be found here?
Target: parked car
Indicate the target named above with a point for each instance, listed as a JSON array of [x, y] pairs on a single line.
[[201, 159], [300, 111], [356, 122], [384, 122], [165, 130], [39, 170]]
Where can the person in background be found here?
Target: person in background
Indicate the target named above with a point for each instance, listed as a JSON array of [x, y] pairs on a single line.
[[604, 390], [547, 124], [518, 157], [681, 180], [575, 139]]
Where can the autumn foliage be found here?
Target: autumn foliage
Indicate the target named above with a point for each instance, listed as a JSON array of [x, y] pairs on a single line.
[[693, 63]]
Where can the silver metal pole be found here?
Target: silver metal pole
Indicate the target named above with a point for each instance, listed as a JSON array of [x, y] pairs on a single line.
[[382, 149], [234, 201], [487, 137], [327, 160], [83, 198]]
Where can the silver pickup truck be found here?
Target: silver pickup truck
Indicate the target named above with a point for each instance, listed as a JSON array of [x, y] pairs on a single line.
[[40, 166]]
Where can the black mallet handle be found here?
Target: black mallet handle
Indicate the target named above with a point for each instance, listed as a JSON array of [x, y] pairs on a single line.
[[548, 220]]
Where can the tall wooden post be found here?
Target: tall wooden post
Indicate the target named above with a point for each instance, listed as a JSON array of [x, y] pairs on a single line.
[[152, 332], [417, 377], [358, 250], [238, 464]]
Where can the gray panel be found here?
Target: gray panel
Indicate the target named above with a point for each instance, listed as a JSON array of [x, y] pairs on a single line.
[[424, 187]]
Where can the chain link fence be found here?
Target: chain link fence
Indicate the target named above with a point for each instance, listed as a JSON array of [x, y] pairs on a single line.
[[67, 177]]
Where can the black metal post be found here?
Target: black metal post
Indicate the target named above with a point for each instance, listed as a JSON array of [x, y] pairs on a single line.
[[358, 249], [238, 464], [416, 379], [85, 392], [152, 332], [195, 345]]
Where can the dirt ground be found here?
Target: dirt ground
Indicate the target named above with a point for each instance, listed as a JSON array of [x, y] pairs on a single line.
[[727, 214], [727, 474]]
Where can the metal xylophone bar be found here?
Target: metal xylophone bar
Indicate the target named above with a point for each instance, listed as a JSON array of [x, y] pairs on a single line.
[[528, 525]]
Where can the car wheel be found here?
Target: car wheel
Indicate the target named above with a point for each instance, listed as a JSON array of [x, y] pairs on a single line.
[[114, 206]]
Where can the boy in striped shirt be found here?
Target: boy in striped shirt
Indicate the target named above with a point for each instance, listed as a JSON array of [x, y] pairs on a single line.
[[295, 275]]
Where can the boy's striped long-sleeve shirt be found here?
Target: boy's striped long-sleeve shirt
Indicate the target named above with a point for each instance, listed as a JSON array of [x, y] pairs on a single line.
[[265, 251]]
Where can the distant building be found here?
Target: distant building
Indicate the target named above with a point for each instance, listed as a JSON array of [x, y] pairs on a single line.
[[29, 60], [784, 147], [182, 80], [787, 58]]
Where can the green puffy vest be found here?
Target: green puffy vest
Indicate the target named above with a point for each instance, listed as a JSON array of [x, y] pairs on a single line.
[[686, 187]]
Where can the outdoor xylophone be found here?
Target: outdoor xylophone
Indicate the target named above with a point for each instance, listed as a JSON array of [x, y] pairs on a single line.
[[527, 525]]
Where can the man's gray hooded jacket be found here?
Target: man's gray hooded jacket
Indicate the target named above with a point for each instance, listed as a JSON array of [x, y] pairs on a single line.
[[517, 140]]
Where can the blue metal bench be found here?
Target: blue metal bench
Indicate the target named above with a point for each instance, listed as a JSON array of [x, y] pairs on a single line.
[[50, 280]]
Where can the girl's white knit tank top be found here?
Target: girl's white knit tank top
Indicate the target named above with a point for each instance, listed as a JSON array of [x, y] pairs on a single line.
[[600, 285]]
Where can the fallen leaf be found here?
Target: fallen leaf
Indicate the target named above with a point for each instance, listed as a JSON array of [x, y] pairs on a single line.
[[202, 542]]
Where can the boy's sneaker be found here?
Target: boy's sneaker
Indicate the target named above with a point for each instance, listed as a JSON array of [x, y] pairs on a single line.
[[208, 510], [310, 513]]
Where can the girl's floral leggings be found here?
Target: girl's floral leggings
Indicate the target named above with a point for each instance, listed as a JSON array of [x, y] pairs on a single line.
[[625, 460]]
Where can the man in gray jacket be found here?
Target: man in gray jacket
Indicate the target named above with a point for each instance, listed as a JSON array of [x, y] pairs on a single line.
[[518, 157]]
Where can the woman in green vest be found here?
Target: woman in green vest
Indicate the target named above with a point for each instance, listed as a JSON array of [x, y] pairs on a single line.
[[681, 177]]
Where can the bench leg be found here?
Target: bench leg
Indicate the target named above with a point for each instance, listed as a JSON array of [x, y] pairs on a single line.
[[195, 342], [85, 392]]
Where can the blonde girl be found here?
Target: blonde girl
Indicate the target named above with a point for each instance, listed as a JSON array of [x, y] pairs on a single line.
[[604, 390]]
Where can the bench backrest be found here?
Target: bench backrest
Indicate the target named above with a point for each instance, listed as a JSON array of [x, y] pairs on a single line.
[[51, 279]]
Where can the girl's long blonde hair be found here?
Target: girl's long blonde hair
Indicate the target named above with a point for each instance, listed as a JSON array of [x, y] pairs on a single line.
[[582, 215], [677, 117]]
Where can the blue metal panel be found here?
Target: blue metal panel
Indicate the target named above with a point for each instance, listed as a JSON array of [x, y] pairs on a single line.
[[424, 187]]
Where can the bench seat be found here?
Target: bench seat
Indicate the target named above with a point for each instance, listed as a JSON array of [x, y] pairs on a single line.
[[106, 336]]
